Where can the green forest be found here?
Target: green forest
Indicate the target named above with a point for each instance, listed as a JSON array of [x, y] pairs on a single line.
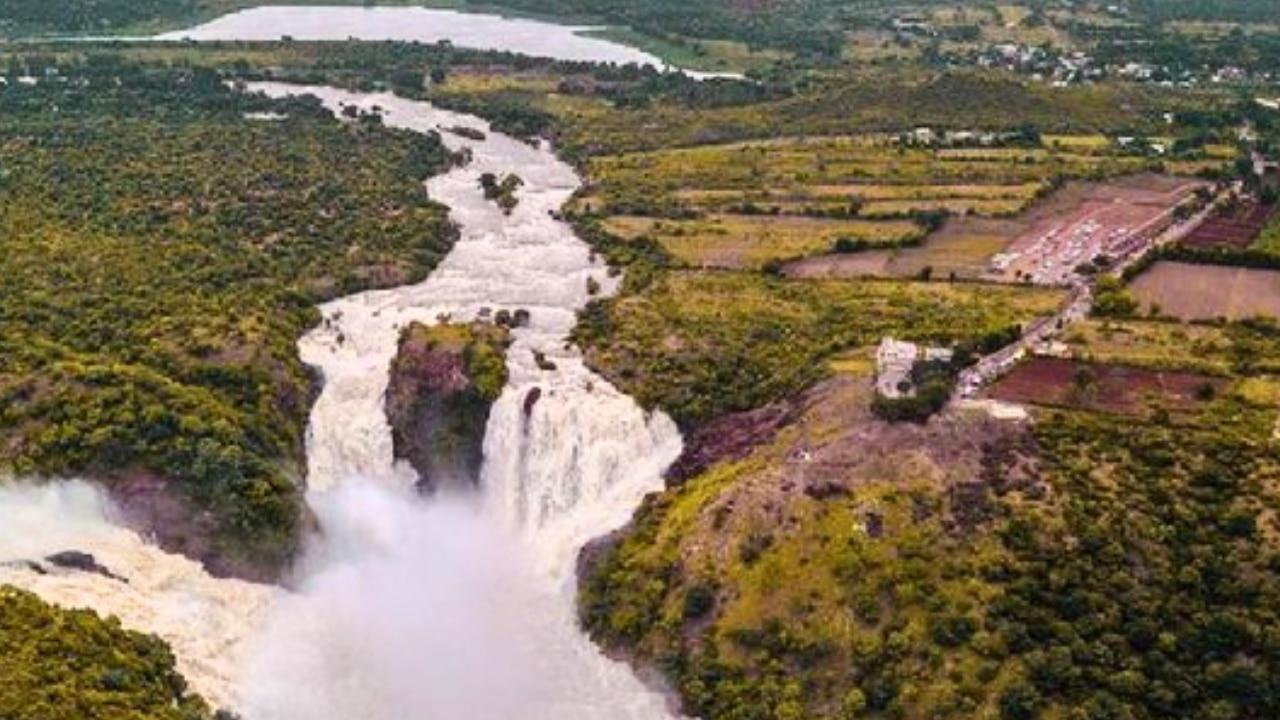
[[162, 254], [73, 665], [22, 16]]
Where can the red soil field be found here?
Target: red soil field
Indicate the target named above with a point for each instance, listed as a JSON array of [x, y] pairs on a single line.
[[1234, 227], [1117, 389]]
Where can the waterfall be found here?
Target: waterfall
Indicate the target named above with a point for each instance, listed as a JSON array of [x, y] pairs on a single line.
[[453, 608], [463, 607], [208, 622]]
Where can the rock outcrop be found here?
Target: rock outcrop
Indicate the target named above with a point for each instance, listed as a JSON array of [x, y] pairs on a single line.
[[157, 508], [730, 437], [81, 562], [443, 382]]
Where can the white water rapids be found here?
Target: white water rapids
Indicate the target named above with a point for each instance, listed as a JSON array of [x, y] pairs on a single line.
[[442, 609]]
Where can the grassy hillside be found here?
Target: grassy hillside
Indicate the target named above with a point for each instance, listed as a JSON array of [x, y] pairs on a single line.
[[1247, 11], [1086, 567], [701, 344]]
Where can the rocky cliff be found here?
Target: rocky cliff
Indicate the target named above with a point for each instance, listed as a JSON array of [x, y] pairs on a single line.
[[443, 381]]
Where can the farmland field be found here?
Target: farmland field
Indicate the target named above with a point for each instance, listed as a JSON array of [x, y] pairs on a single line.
[[1269, 240], [1234, 227], [872, 263], [962, 246], [1054, 382], [874, 199], [1205, 292], [750, 241], [742, 205], [965, 245]]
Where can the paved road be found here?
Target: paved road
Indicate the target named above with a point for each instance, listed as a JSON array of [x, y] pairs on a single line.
[[1077, 307], [992, 366]]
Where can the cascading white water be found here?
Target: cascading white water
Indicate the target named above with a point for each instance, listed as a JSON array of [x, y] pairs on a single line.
[[446, 609], [453, 608], [207, 621]]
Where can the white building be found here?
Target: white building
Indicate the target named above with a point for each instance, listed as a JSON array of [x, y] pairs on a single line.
[[896, 359]]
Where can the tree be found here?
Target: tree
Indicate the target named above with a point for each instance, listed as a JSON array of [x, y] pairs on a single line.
[[1083, 379], [1019, 702]]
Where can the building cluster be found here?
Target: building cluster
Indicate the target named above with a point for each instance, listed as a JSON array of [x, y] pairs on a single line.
[[1263, 166], [929, 137], [1067, 68]]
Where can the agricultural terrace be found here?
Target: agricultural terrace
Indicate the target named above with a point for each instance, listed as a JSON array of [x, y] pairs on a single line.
[[741, 205], [1208, 292], [725, 240]]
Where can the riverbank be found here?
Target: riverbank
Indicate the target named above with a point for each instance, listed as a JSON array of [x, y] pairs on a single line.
[[566, 458]]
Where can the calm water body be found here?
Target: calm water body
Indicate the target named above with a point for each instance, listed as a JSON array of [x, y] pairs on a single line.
[[472, 30]]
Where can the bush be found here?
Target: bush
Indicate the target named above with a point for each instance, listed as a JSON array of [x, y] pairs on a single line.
[[1019, 702], [699, 600]]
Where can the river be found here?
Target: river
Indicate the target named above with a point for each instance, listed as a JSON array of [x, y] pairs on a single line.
[[453, 607]]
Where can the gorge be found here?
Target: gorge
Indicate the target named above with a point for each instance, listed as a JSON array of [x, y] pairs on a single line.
[[403, 605]]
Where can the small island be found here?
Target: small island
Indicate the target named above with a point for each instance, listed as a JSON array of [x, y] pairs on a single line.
[[502, 192]]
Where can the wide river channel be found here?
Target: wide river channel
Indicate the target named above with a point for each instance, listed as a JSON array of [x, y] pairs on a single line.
[[404, 607]]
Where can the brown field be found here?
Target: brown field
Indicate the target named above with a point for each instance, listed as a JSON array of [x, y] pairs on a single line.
[[964, 246], [1206, 292], [1121, 389], [958, 206], [1112, 219], [1235, 227], [873, 263]]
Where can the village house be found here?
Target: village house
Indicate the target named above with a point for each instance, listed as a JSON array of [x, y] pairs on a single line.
[[895, 360]]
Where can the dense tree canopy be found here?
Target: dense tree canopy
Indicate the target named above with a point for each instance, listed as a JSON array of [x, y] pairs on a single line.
[[162, 254], [58, 664]]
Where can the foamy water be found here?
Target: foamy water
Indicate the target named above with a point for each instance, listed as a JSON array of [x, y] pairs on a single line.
[[463, 607], [456, 607], [208, 622]]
